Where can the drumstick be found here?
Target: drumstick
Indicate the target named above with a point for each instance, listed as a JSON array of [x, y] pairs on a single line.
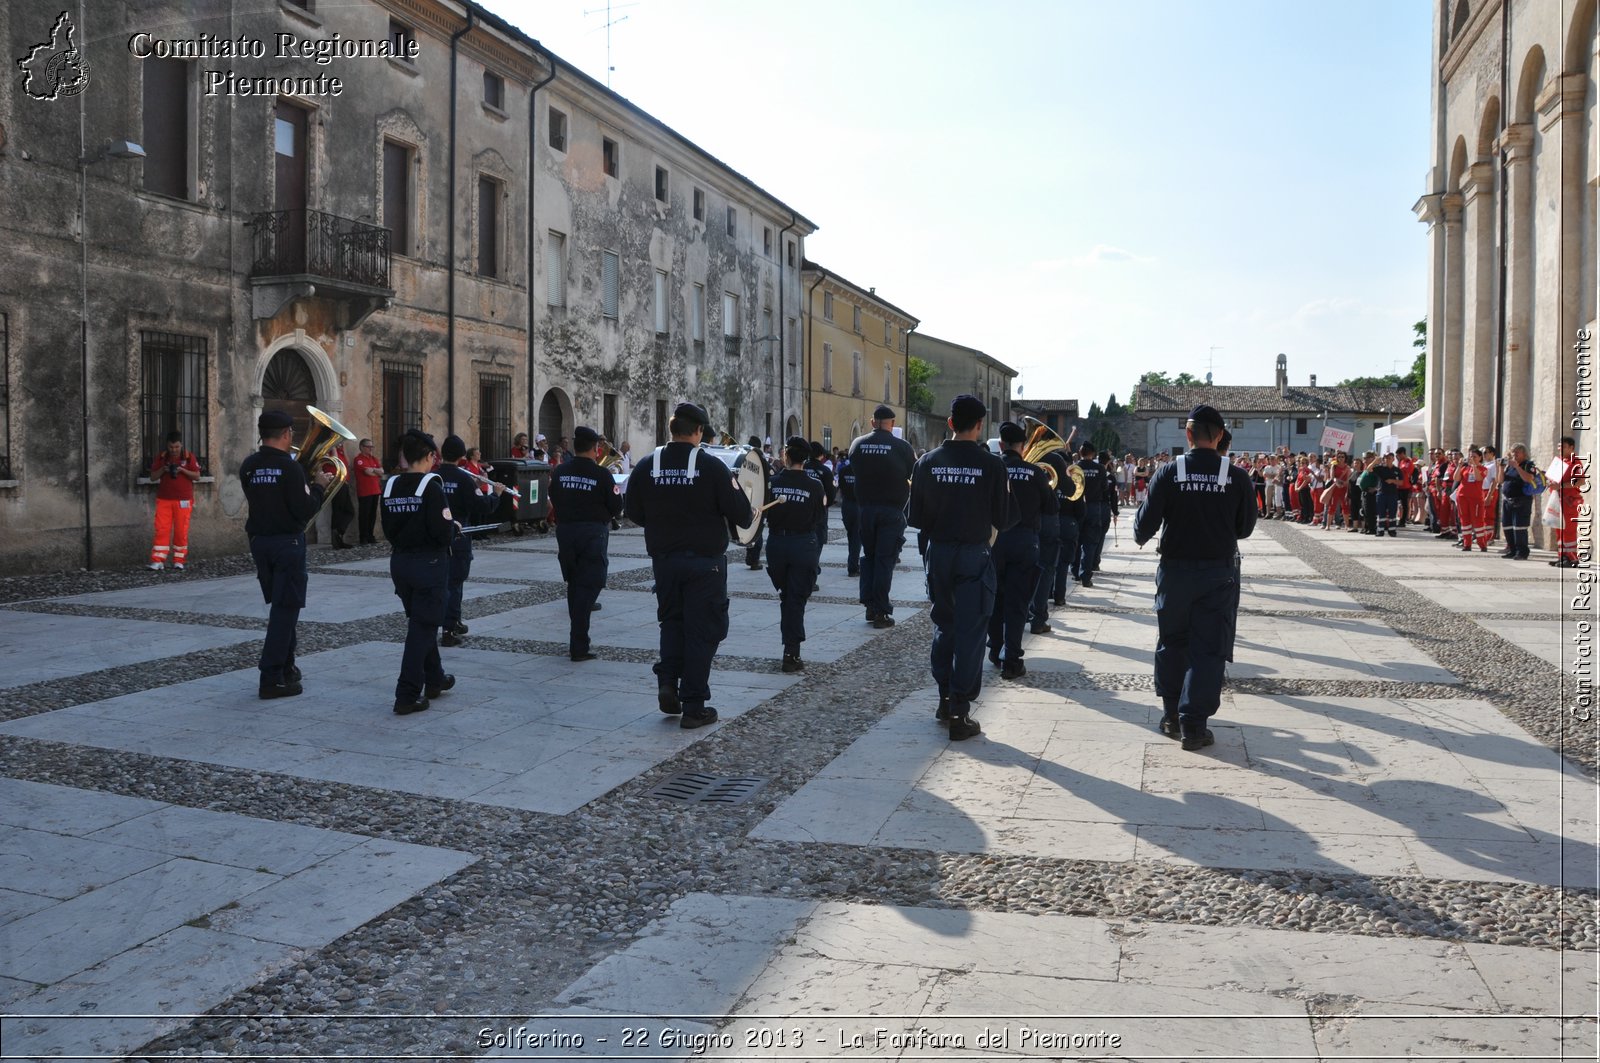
[[769, 505]]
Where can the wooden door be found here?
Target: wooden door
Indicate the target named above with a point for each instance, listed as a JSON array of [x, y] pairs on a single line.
[[289, 149]]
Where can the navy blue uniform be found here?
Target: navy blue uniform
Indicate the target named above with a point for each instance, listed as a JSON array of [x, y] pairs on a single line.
[[1016, 557], [1050, 557], [420, 527], [1096, 516], [282, 503], [824, 476], [1202, 506], [468, 506], [883, 465], [844, 475], [792, 549], [685, 500], [1517, 511], [959, 492], [586, 499]]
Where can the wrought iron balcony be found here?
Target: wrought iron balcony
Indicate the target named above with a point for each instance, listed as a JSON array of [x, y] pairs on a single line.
[[303, 252]]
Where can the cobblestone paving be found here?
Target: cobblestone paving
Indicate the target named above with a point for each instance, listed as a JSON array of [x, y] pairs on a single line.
[[548, 898]]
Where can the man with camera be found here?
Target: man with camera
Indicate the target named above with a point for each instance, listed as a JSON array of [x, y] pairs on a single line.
[[175, 470]]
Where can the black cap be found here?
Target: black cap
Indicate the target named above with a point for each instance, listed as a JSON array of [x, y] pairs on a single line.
[[1011, 432], [417, 433], [816, 450], [1225, 440], [1087, 447], [1206, 415], [584, 438], [797, 441], [271, 422], [688, 411], [883, 413], [453, 449], [968, 408], [755, 441]]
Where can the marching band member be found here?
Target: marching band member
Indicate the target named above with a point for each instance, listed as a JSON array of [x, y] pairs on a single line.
[[1096, 519], [1052, 555], [418, 524], [792, 548], [880, 464], [685, 501], [586, 500], [960, 493], [818, 467], [470, 507], [1015, 552]]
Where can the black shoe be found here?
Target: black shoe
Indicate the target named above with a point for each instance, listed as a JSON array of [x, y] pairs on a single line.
[[1013, 670], [616, 525], [854, 573], [1041, 629], [585, 656], [815, 588], [994, 659], [282, 689], [883, 620], [1061, 601], [340, 544], [1088, 581], [406, 706], [1393, 534], [755, 567], [1096, 568], [434, 690], [872, 615], [963, 726], [1520, 557], [457, 628], [942, 714], [667, 699], [1565, 562], [595, 608], [449, 639], [369, 542], [291, 673], [1192, 742], [704, 717], [793, 663], [1169, 725]]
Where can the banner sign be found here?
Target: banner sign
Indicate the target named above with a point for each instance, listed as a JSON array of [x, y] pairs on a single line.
[[1337, 439]]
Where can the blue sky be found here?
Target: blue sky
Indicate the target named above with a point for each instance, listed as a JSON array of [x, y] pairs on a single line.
[[1084, 190]]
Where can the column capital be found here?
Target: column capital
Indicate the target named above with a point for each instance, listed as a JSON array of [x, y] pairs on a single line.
[[1561, 100], [1516, 143], [1479, 182], [1427, 208], [1452, 202]]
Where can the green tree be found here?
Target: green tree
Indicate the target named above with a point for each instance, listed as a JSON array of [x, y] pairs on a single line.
[[1113, 407], [919, 396], [1155, 380], [1106, 438], [1095, 413], [1419, 366], [1186, 380]]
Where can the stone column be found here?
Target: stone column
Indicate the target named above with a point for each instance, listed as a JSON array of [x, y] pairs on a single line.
[[1450, 361], [1516, 145], [1428, 209], [1480, 336]]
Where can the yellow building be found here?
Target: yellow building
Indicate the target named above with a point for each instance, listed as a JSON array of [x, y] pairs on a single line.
[[854, 356]]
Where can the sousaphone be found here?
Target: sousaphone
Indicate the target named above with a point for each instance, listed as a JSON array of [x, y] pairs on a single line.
[[749, 469], [316, 450]]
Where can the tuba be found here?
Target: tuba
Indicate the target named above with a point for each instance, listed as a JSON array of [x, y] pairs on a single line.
[[1043, 440], [607, 458], [316, 450]]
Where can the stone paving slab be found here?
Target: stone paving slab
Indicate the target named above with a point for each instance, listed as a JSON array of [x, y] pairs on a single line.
[[1545, 639], [116, 951], [1440, 789], [1467, 596], [1358, 648], [1136, 590], [45, 646], [523, 731], [628, 621], [783, 979], [503, 564], [329, 599]]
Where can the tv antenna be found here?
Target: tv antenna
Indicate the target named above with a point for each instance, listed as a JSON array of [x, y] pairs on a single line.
[[607, 10], [1211, 360]]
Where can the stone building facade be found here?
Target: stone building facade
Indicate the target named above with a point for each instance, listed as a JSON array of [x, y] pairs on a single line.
[[961, 370], [855, 356], [1510, 209], [368, 251]]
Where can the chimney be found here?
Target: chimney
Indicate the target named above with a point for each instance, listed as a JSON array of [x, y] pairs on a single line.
[[1282, 378], [1313, 380]]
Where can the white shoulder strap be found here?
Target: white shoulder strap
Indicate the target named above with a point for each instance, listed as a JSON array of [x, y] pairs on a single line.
[[388, 485], [423, 483], [1222, 471], [655, 464], [1183, 470]]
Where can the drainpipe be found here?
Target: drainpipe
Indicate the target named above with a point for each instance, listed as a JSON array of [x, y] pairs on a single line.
[[906, 398], [1505, 189], [450, 296], [533, 295], [783, 395], [811, 339]]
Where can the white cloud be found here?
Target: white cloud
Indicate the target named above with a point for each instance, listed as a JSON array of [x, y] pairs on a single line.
[[1107, 253]]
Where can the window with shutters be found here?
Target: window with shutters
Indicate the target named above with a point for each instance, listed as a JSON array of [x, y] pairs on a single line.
[[827, 438], [661, 307], [397, 207], [855, 319], [855, 373], [733, 222], [827, 367], [610, 156], [697, 315], [791, 252], [1300, 426], [766, 240], [790, 345], [901, 373], [167, 129], [766, 329], [733, 421], [699, 205], [608, 418], [173, 370], [888, 335], [555, 268], [5, 397], [730, 324], [661, 421], [494, 91], [827, 306], [661, 184], [610, 281], [494, 416], [558, 130], [887, 379], [403, 39], [488, 227]]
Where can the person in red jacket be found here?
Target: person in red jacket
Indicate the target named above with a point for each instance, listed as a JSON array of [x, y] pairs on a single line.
[[175, 470], [1471, 508], [1571, 483], [367, 472]]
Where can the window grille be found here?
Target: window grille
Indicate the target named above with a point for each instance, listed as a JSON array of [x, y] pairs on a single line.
[[555, 269], [402, 405], [610, 280], [173, 368], [5, 397], [494, 416]]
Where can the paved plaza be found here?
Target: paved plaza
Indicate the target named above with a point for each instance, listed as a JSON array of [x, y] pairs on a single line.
[[1390, 852]]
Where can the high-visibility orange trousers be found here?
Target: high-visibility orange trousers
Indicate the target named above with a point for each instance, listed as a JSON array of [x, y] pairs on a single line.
[[1474, 516], [172, 526]]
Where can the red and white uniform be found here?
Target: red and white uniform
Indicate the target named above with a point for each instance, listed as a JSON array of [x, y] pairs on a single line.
[[174, 507], [368, 474], [1440, 487], [1571, 484], [1336, 499], [1471, 505]]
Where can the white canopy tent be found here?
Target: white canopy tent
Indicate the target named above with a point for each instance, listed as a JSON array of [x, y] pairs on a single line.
[[1412, 429]]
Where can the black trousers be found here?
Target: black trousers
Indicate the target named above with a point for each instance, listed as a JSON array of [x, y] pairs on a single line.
[[369, 518], [1195, 607], [582, 550], [422, 582], [281, 571], [1067, 562], [692, 608], [792, 567], [1015, 555], [343, 513]]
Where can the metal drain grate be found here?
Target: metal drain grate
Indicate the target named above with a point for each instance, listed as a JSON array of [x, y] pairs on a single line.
[[694, 787]]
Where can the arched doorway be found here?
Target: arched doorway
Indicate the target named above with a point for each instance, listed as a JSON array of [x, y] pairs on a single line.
[[555, 415], [791, 429], [289, 386]]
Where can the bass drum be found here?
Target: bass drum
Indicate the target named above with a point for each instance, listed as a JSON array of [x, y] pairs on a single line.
[[750, 477]]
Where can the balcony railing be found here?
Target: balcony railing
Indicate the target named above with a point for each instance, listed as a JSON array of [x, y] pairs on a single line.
[[313, 243]]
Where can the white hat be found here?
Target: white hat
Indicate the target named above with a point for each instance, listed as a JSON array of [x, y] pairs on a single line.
[[539, 438]]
